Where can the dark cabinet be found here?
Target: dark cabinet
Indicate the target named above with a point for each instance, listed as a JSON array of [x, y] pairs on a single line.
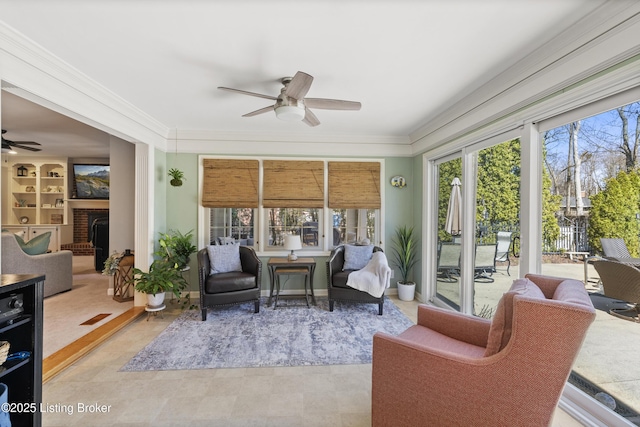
[[21, 305]]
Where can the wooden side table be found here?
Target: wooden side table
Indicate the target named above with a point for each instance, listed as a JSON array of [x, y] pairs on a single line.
[[283, 266], [286, 271]]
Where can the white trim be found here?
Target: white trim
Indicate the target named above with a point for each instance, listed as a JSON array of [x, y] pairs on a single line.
[[588, 411]]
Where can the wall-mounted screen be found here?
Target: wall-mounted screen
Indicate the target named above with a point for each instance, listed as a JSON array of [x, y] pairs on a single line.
[[91, 181]]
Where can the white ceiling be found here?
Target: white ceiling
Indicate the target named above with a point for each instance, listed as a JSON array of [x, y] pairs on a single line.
[[405, 60]]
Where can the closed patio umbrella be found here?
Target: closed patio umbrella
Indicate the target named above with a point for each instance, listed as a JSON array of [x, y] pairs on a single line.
[[454, 210]]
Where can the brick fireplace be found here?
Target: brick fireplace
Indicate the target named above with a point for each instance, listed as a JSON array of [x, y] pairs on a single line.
[[82, 220]]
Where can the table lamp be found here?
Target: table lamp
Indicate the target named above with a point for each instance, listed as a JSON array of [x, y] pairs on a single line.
[[292, 243]]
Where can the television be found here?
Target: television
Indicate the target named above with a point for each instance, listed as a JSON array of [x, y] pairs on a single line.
[[91, 181]]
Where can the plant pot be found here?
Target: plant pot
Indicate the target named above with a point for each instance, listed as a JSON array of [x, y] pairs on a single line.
[[176, 182], [406, 291], [155, 300]]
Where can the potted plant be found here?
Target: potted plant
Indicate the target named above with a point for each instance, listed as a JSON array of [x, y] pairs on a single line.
[[176, 247], [176, 177], [163, 276], [404, 253]]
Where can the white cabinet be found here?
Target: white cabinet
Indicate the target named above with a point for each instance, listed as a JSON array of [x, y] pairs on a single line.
[[28, 233], [38, 190]]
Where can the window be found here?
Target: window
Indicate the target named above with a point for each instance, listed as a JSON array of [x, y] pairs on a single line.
[[231, 225], [299, 221], [354, 225], [326, 203]]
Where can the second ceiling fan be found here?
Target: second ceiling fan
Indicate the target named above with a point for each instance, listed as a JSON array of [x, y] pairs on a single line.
[[291, 104]]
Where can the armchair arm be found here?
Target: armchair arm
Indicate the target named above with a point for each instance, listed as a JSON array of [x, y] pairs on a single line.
[[462, 327], [251, 263], [203, 269], [335, 263]]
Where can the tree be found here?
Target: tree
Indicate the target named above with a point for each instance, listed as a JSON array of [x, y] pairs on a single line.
[[614, 210], [629, 146]]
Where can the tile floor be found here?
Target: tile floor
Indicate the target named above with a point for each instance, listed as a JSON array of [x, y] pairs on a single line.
[[295, 396]]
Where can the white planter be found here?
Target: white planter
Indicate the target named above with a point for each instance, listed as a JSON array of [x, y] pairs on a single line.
[[406, 291], [155, 300]]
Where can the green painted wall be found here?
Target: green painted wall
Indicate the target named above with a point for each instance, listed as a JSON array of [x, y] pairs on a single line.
[[181, 207]]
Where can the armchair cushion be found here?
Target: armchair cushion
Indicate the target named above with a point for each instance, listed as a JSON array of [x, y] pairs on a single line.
[[36, 246], [356, 257], [229, 282], [224, 258], [501, 326]]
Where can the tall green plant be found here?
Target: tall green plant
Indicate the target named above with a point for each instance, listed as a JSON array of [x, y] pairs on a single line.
[[405, 251]]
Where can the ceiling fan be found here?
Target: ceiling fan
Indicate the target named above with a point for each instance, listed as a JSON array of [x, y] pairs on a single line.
[[7, 145], [291, 104]]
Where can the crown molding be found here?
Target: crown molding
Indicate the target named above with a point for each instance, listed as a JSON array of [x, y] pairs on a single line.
[[299, 144], [30, 71]]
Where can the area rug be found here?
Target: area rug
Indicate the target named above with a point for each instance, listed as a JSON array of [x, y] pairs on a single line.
[[292, 335]]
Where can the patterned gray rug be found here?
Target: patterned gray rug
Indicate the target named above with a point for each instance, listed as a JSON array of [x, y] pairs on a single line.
[[292, 335]]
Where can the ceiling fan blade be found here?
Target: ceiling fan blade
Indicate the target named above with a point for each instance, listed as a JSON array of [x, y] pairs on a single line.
[[299, 85], [26, 148], [310, 118], [25, 142], [244, 92], [331, 104], [260, 111]]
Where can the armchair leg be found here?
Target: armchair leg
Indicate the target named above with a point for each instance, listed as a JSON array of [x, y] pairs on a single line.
[[204, 314], [330, 305], [380, 305], [257, 306]]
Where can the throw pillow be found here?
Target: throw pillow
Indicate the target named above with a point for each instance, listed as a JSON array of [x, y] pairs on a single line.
[[356, 257], [224, 258], [36, 246], [501, 326]]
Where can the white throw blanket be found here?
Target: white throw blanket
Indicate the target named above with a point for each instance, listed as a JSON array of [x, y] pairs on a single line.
[[374, 278]]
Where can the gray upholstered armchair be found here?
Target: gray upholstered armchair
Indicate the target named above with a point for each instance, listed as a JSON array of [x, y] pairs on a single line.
[[337, 282], [233, 287]]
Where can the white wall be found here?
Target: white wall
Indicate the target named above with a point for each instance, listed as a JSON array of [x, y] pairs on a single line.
[[121, 195]]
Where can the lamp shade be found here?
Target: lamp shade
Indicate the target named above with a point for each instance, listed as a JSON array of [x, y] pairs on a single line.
[[292, 242]]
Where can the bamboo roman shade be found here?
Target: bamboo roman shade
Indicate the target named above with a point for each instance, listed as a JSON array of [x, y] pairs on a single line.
[[230, 183], [293, 184], [354, 185]]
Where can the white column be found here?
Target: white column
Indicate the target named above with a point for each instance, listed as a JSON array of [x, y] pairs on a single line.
[[144, 214], [530, 201]]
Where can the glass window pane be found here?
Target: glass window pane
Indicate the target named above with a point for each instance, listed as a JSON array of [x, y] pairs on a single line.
[[299, 221], [591, 191], [231, 225], [353, 225], [449, 231], [497, 223]]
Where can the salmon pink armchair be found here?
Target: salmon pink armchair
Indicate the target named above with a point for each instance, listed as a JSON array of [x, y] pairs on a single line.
[[457, 370]]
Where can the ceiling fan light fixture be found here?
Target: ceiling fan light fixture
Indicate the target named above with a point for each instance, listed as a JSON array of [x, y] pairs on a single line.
[[290, 113]]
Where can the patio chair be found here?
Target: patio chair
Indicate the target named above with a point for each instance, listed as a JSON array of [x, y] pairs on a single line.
[[485, 263], [614, 248], [502, 248], [621, 281], [448, 262]]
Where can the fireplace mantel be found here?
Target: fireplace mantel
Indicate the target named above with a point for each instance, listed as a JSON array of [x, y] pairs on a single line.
[[88, 204]]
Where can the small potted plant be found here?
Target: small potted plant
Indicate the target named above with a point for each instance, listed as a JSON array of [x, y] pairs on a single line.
[[405, 248], [163, 276], [176, 177]]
